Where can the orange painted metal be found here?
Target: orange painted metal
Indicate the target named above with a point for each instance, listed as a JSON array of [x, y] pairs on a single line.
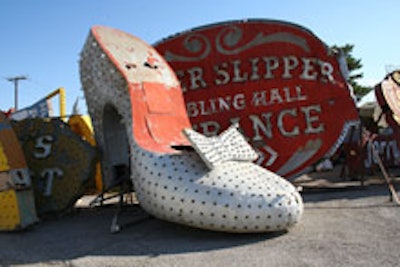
[[158, 126], [149, 85]]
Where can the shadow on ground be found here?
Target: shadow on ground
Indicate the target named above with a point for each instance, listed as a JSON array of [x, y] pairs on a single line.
[[86, 232]]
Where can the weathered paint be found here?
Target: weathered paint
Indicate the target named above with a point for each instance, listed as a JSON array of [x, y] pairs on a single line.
[[277, 79], [3, 160], [388, 146], [9, 213], [13, 168], [388, 94], [60, 162], [388, 149], [17, 207], [123, 79]]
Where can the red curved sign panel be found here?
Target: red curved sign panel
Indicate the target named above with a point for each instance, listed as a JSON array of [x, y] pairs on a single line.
[[277, 79]]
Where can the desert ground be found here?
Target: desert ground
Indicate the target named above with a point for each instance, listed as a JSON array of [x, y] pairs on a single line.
[[344, 224]]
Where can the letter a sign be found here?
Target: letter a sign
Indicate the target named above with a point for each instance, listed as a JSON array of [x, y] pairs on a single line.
[[282, 84]]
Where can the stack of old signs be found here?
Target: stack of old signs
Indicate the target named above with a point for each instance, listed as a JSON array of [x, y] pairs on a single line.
[[44, 167], [17, 206]]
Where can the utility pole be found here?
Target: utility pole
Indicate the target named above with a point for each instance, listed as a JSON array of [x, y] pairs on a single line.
[[16, 79]]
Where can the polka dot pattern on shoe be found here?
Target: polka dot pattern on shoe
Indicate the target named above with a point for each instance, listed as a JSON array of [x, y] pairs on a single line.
[[233, 196]]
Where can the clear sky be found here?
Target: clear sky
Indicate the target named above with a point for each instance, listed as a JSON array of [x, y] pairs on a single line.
[[42, 39]]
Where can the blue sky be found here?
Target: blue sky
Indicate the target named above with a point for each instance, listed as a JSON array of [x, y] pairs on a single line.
[[43, 38]]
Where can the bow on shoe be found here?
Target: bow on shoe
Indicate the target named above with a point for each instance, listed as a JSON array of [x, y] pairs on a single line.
[[230, 145]]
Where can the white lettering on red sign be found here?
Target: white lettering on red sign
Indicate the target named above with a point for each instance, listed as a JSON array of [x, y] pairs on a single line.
[[308, 69]]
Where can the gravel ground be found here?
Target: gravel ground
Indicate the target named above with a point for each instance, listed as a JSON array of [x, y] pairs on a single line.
[[358, 227]]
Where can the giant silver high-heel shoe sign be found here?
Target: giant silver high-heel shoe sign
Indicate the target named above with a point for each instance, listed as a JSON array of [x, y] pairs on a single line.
[[140, 121]]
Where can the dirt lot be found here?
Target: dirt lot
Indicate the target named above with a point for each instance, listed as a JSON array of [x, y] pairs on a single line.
[[340, 227]]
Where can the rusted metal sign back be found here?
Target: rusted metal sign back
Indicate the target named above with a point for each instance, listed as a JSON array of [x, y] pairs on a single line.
[[278, 80]]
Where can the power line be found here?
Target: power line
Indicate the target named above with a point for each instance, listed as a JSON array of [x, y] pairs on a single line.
[[15, 80]]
